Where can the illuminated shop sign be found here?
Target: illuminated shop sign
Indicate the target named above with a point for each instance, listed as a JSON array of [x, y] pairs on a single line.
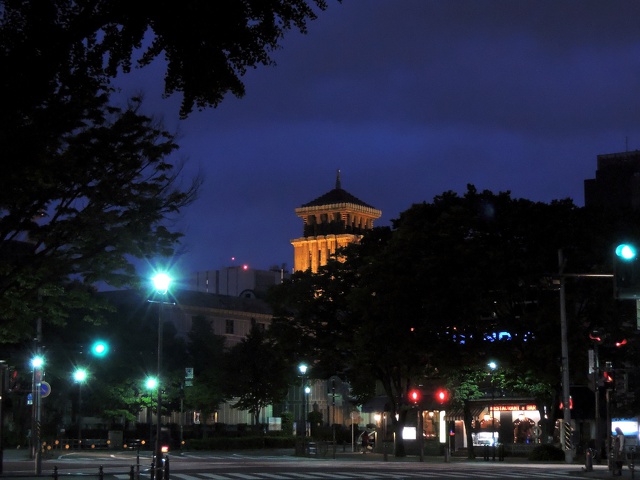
[[514, 408]]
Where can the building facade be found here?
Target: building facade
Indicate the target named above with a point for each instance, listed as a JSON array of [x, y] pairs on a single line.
[[236, 281]]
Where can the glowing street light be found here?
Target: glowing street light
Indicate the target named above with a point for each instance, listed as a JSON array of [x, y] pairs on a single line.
[[151, 383], [161, 282]]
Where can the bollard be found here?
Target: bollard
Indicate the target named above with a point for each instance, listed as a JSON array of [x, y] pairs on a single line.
[[588, 460], [100, 473], [132, 474], [446, 454], [153, 469], [165, 475], [55, 472]]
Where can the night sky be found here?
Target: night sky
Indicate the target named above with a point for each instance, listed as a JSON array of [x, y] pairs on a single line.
[[408, 98]]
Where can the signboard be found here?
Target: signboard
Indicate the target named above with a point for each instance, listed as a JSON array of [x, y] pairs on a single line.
[[188, 377], [514, 408]]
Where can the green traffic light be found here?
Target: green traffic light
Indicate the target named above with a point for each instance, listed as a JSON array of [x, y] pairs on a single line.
[[37, 362], [99, 348], [626, 251]]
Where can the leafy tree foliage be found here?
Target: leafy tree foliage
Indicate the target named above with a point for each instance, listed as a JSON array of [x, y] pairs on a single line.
[[264, 371], [96, 201], [207, 46], [426, 300], [89, 185], [206, 354]]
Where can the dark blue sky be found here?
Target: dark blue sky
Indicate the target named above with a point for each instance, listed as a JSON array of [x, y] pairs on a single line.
[[408, 98]]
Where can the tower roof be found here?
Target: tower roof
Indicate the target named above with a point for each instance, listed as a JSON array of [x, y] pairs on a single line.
[[335, 196]]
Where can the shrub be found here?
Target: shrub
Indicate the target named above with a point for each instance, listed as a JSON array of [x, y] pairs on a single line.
[[546, 453], [240, 443]]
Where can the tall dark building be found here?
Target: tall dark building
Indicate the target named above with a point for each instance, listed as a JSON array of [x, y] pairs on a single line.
[[617, 182]]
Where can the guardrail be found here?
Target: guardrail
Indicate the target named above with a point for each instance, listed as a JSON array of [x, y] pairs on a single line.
[[155, 473]]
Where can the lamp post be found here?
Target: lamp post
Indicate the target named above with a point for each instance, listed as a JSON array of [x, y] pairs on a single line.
[[151, 384], [161, 282], [307, 392], [79, 376], [37, 363], [303, 372], [492, 366]]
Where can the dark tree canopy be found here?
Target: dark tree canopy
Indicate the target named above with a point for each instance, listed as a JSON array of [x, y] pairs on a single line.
[[207, 46], [88, 186], [428, 298]]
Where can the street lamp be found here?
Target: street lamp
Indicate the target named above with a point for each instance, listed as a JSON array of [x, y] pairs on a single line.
[[161, 282], [492, 366], [37, 363], [80, 376], [307, 391], [303, 371]]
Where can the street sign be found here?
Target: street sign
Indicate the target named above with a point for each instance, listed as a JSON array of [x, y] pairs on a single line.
[[45, 389], [188, 377]]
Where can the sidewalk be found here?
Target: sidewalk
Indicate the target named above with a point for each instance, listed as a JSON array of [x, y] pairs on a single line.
[[599, 471]]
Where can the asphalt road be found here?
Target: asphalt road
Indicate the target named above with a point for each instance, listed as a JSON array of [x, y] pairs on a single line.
[[283, 465]]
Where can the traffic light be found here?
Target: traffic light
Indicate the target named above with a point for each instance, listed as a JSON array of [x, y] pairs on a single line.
[[626, 272], [442, 395], [608, 374], [414, 396], [99, 348]]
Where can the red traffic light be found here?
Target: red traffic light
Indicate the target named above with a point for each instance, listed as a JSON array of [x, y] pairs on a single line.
[[442, 395], [414, 395]]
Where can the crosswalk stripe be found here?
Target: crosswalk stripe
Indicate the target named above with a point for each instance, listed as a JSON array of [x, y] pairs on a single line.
[[347, 475], [184, 476], [213, 476], [334, 476]]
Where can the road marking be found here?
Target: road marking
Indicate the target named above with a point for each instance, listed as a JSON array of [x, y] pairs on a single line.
[[184, 476], [214, 476], [244, 476]]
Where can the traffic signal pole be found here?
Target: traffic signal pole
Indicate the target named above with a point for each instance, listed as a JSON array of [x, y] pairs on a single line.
[[566, 392], [568, 450]]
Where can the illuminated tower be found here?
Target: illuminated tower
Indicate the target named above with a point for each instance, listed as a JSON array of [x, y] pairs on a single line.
[[331, 221]]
